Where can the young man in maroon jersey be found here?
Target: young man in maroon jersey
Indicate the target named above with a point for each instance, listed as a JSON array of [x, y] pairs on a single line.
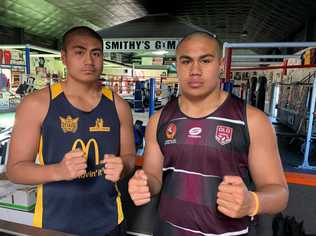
[[199, 149]]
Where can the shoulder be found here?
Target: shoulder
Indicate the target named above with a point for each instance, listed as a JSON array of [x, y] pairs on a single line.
[[234, 101], [123, 109], [154, 120], [35, 105], [168, 111], [38, 99], [257, 120], [255, 115], [120, 103]]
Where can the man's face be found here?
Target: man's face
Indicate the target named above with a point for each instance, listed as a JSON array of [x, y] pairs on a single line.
[[198, 66], [83, 58]]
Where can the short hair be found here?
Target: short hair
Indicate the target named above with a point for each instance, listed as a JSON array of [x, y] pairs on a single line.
[[205, 34], [80, 30]]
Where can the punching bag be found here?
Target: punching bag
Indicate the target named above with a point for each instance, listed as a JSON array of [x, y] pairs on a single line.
[[7, 57], [261, 93], [252, 95], [1, 55]]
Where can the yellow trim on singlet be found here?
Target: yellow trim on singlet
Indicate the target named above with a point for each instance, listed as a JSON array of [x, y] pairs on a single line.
[[56, 89], [38, 215], [120, 214], [107, 93]]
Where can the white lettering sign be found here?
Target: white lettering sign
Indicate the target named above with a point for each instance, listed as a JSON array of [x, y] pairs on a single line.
[[132, 45]]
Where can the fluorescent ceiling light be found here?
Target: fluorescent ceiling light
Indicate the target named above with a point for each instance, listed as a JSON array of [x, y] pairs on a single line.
[[161, 52], [12, 46], [45, 55]]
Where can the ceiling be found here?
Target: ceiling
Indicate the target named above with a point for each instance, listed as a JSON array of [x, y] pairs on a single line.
[[263, 20]]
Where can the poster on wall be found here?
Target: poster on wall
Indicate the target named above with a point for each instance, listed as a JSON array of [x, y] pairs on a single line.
[[44, 70], [8, 100], [5, 75], [157, 61], [17, 57]]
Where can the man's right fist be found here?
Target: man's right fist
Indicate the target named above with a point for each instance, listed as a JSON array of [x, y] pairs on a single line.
[[138, 188], [73, 165]]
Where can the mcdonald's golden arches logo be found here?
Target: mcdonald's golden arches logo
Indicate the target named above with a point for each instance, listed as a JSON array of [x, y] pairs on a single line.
[[85, 148]]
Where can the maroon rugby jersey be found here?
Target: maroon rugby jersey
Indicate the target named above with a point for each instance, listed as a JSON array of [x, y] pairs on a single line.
[[198, 152]]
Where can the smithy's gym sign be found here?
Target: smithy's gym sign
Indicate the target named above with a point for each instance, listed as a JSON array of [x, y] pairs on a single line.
[[132, 45]]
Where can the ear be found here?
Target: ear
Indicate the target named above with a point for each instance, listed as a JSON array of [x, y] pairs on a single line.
[[63, 56], [221, 63], [177, 64]]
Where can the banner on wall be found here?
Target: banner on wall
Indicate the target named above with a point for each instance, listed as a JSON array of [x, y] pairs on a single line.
[[132, 45]]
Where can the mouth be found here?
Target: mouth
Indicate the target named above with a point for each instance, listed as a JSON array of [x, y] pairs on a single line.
[[195, 84], [88, 71]]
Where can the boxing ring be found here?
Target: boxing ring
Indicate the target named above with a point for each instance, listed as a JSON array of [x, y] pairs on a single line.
[[228, 55]]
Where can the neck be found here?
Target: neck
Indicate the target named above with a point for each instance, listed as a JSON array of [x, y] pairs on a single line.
[[201, 107], [75, 88]]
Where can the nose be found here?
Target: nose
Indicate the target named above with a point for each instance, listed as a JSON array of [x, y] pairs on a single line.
[[88, 59], [195, 68]]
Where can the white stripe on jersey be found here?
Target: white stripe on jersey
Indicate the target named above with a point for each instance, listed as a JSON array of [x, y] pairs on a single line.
[[244, 231]]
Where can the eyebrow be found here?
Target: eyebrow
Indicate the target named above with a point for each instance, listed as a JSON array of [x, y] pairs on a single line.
[[207, 55], [200, 57], [78, 47], [96, 49], [83, 48]]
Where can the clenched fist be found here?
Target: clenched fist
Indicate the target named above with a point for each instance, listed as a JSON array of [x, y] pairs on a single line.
[[72, 166], [138, 188], [113, 167], [234, 199]]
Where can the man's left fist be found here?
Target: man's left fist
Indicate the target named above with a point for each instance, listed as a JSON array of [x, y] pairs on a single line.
[[233, 198], [113, 167]]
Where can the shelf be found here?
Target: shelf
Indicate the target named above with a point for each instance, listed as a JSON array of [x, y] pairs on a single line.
[[10, 65]]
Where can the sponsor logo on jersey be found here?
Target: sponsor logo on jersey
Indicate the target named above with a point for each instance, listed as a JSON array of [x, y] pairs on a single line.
[[79, 143], [99, 126], [195, 132]]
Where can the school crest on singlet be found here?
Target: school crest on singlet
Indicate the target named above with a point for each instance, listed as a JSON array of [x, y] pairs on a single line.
[[69, 124]]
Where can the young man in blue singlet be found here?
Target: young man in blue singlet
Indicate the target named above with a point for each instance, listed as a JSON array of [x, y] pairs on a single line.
[[83, 136]]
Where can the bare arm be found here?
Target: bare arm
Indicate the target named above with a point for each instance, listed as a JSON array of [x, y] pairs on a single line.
[[265, 165], [127, 148], [24, 143], [153, 158], [234, 199], [147, 182]]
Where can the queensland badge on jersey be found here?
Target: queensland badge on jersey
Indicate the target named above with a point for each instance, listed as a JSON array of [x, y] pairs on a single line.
[[99, 126], [223, 134], [69, 124]]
